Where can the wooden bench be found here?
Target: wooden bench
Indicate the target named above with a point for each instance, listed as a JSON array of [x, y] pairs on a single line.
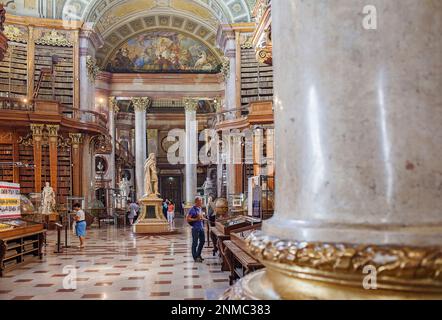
[[240, 262]]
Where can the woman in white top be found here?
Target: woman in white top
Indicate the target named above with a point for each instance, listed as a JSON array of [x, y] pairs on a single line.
[[80, 224]]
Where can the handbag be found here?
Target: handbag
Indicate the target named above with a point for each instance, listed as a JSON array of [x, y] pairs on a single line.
[[74, 225]]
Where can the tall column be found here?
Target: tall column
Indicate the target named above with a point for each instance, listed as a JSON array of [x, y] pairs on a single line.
[[37, 136], [358, 134], [140, 107], [191, 150], [76, 144], [88, 170], [113, 110], [89, 41], [53, 154], [229, 42]]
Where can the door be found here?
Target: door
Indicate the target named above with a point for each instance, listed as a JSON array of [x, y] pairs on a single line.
[[170, 188]]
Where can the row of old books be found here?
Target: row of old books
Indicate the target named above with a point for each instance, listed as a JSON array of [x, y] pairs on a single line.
[[13, 71]]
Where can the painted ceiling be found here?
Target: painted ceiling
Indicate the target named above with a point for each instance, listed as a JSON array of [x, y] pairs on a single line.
[[162, 51]]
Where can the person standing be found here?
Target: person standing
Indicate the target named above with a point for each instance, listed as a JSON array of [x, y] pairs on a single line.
[[196, 219], [134, 208], [171, 214], [165, 205], [80, 224]]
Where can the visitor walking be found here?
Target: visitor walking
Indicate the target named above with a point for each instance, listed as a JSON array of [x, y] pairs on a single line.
[[196, 219], [134, 208], [80, 224]]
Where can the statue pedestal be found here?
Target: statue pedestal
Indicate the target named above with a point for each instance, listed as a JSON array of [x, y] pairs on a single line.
[[151, 220]]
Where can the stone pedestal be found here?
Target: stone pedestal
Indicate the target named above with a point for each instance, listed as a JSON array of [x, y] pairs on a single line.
[[151, 220], [358, 134]]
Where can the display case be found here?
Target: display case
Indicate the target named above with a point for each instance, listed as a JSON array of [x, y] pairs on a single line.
[[225, 226], [20, 242]]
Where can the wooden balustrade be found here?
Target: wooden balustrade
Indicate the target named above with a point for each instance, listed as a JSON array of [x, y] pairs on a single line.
[[53, 111]]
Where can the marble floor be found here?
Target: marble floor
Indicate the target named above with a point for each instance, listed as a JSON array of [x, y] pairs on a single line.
[[116, 264]]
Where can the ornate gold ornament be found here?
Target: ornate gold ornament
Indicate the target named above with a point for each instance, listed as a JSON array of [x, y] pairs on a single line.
[[141, 103], [92, 68], [113, 104], [76, 138], [27, 140], [52, 130], [397, 267], [264, 55], [225, 68], [14, 33], [101, 144], [53, 38], [246, 42], [190, 104]]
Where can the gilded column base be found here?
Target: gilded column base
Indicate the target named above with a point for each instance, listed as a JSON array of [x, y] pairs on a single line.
[[299, 270]]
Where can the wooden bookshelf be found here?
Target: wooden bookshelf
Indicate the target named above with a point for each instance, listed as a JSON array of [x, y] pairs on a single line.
[[13, 71], [256, 78], [64, 175], [26, 155], [64, 73], [6, 155]]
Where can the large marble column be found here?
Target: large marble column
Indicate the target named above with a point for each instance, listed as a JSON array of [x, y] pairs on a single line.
[[113, 110], [191, 150], [358, 123], [89, 43], [140, 107]]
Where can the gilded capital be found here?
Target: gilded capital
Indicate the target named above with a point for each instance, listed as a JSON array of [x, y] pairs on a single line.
[[76, 138], [141, 103], [217, 103], [191, 104], [52, 130], [37, 129], [113, 104]]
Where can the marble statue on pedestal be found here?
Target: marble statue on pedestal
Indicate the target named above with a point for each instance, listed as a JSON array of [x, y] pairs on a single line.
[[151, 177], [48, 199], [124, 187]]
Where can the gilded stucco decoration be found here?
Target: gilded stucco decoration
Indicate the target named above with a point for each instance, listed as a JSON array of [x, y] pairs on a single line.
[[16, 33], [53, 38], [225, 68], [92, 68], [395, 265]]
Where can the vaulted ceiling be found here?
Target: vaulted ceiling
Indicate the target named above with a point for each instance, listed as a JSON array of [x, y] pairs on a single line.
[[118, 20]]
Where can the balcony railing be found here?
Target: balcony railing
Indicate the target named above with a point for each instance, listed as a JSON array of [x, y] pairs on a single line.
[[53, 108], [84, 116], [232, 114], [7, 103]]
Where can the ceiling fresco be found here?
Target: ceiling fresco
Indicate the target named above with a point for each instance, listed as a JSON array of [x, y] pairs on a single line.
[[162, 51]]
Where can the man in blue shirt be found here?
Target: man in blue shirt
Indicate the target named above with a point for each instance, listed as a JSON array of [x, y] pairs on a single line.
[[196, 219]]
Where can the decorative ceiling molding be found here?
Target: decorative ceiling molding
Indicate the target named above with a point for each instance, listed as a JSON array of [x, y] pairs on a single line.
[[225, 11]]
